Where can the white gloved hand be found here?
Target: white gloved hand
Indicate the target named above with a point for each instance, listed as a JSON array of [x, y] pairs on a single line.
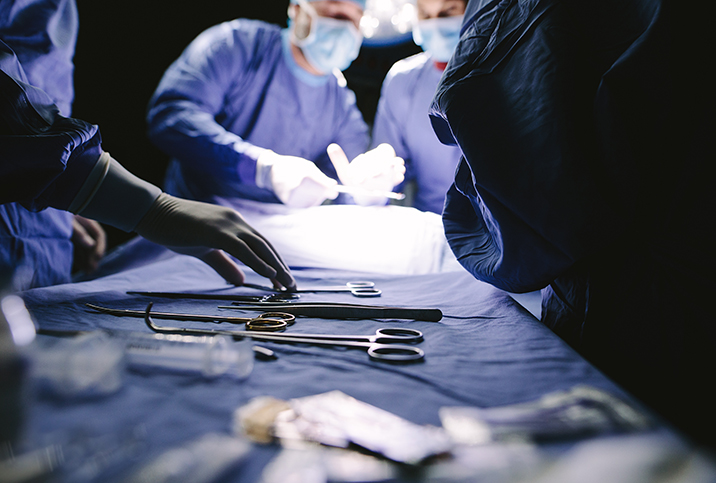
[[297, 182], [204, 230], [378, 169]]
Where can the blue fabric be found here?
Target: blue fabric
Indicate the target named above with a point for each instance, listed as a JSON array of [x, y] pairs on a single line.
[[233, 91], [43, 34], [496, 354], [44, 157], [38, 243], [571, 117], [402, 121]]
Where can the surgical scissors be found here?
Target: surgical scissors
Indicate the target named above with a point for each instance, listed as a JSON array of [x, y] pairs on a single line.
[[267, 321], [382, 346]]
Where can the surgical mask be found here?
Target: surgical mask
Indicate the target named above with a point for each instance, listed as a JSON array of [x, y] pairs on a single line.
[[331, 43], [438, 36]]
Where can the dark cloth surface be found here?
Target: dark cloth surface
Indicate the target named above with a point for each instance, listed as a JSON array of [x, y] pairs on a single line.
[[496, 353], [586, 133]]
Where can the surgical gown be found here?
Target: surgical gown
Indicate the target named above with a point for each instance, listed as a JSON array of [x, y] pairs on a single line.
[[587, 130], [44, 157], [234, 90], [402, 121]]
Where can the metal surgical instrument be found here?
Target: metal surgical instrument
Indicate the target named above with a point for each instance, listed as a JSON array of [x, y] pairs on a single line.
[[382, 346], [359, 289], [267, 321], [282, 296], [357, 190], [331, 310]]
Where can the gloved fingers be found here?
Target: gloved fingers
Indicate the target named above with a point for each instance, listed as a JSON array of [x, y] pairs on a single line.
[[266, 252], [399, 173], [380, 163], [381, 175], [273, 250], [223, 265], [384, 150], [312, 191], [299, 183], [340, 163], [255, 253]]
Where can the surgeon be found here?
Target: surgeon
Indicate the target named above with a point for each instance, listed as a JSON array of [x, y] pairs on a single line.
[[48, 160], [587, 134], [402, 117], [248, 110]]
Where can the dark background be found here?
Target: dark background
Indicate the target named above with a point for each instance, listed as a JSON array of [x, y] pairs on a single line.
[[124, 48]]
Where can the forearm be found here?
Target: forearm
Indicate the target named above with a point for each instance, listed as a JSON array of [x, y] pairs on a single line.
[[44, 157], [114, 196], [199, 143]]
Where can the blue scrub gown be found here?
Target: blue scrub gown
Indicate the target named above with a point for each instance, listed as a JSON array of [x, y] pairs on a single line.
[[587, 134], [237, 88], [38, 42], [402, 121]]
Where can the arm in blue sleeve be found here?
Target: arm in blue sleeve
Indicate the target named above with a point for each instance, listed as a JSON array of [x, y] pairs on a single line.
[[388, 129], [530, 197], [493, 244], [386, 126], [50, 160], [351, 130], [44, 157], [181, 115]]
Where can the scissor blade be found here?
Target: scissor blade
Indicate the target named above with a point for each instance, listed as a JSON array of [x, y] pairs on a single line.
[[164, 315]]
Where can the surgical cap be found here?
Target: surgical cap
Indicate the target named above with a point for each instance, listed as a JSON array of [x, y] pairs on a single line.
[[360, 3]]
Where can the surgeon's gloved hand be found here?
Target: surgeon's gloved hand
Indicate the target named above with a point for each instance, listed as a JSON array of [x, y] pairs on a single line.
[[297, 182], [376, 170], [204, 230], [114, 196]]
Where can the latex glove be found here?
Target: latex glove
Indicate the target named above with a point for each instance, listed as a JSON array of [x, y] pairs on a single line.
[[204, 230], [297, 182], [378, 169], [90, 243]]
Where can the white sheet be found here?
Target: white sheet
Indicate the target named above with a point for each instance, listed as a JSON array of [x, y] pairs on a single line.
[[378, 239]]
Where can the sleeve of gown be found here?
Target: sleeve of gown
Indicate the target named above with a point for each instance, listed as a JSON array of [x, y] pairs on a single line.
[[387, 124], [351, 130], [45, 158], [181, 114]]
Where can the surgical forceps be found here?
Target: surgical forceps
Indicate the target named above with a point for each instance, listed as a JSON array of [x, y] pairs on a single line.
[[271, 321], [359, 289], [279, 297], [383, 346]]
